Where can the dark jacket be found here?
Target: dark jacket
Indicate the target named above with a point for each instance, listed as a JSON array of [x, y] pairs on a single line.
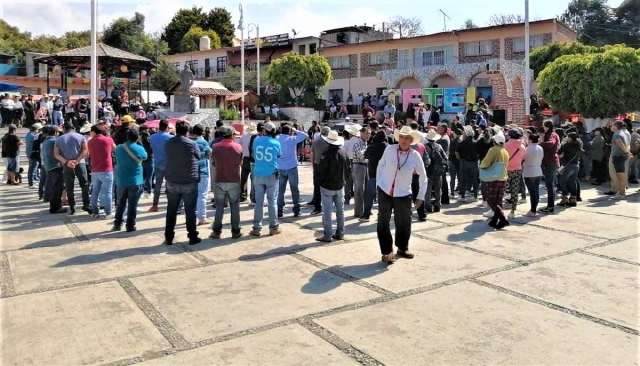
[[571, 152], [182, 159], [144, 139], [375, 151], [333, 168]]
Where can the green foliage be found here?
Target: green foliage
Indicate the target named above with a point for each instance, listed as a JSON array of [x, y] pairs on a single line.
[[594, 84], [191, 40], [229, 115], [232, 81], [599, 24], [542, 56], [164, 77], [300, 74], [399, 116], [128, 35], [219, 21]]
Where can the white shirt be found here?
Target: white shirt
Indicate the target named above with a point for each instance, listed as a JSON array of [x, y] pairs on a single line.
[[348, 147], [17, 105], [50, 104], [8, 103], [275, 111], [244, 141], [532, 164], [388, 172]]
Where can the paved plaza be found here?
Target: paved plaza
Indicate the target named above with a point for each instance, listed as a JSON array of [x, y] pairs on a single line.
[[558, 290]]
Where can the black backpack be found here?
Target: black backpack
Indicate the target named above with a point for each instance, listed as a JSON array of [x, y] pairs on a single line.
[[439, 161]]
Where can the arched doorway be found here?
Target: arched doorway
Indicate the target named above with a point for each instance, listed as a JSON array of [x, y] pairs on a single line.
[[409, 83], [483, 84], [445, 81]]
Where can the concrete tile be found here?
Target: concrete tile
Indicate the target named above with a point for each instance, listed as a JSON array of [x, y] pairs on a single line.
[[586, 223], [628, 250], [467, 324], [27, 235], [628, 207], [433, 263], [596, 286], [457, 213], [85, 325], [289, 345], [146, 223], [94, 260], [516, 241], [210, 301]]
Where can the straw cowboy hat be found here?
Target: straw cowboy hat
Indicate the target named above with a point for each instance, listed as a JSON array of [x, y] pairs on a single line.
[[86, 128], [353, 129], [37, 126], [333, 138], [250, 129], [432, 135], [407, 131]]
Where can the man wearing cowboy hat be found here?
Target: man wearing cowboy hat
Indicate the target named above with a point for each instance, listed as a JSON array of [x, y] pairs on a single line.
[[394, 177], [352, 130], [250, 132], [332, 170], [29, 142], [436, 171], [56, 110], [359, 170]]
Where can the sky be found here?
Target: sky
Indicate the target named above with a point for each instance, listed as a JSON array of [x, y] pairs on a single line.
[[273, 17]]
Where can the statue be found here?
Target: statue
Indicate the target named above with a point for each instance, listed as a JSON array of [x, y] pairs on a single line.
[[186, 80]]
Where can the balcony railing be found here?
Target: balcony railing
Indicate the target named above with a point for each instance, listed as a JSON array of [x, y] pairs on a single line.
[[208, 73]]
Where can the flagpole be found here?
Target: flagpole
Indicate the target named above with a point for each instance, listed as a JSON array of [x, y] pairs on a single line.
[[94, 63], [241, 27], [527, 77]]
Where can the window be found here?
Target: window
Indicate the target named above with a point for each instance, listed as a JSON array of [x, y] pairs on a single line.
[[302, 49], [333, 92], [536, 41], [403, 59], [478, 48], [177, 66], [431, 56], [339, 62], [207, 67], [379, 58], [312, 48], [221, 64]]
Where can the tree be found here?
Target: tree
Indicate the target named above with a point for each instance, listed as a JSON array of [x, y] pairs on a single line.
[[219, 21], [406, 27], [599, 24], [595, 84], [543, 56], [180, 24], [504, 19], [302, 75], [129, 35], [469, 24], [164, 76], [232, 81], [191, 40]]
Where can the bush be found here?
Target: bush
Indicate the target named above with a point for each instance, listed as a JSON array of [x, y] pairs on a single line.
[[229, 115], [399, 116]]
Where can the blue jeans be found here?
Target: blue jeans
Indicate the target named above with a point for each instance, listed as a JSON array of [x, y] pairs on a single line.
[[147, 173], [265, 185], [42, 184], [33, 169], [159, 172], [330, 198], [533, 185], [128, 197], [290, 175], [177, 194], [569, 181], [550, 172], [103, 188], [224, 192], [203, 193], [369, 195], [56, 118]]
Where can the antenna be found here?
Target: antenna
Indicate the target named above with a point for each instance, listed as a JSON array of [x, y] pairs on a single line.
[[445, 17]]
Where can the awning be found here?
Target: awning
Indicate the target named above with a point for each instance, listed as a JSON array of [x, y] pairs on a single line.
[[278, 53], [209, 91], [6, 87]]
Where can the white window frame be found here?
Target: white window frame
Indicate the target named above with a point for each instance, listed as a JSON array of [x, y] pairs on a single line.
[[479, 48], [339, 62], [379, 58], [404, 59], [535, 41], [433, 56]]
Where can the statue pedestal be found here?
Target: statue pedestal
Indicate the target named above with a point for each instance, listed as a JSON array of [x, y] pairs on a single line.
[[181, 103]]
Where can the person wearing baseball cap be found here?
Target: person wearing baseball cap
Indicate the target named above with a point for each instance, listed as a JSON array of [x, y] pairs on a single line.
[[266, 152]]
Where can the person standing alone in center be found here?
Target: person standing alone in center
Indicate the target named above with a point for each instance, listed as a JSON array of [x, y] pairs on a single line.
[[266, 151]]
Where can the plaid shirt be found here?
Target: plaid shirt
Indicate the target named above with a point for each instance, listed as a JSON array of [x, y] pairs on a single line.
[[359, 147]]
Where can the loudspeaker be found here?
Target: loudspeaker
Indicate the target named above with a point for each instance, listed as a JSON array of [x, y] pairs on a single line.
[[500, 117], [321, 105]]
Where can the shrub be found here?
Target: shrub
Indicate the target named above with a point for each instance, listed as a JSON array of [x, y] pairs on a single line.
[[229, 115]]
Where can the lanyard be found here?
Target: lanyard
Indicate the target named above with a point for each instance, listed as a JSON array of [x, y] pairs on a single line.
[[405, 160]]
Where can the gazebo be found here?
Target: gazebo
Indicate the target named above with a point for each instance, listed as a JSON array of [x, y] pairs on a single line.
[[109, 58]]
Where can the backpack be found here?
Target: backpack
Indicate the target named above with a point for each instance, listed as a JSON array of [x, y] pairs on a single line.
[[634, 145], [439, 161]]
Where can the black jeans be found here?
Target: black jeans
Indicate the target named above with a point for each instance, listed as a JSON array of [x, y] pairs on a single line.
[[401, 207], [128, 197], [70, 175], [599, 171], [177, 193], [348, 187], [317, 200], [55, 185], [468, 176], [415, 188], [533, 185], [244, 178]]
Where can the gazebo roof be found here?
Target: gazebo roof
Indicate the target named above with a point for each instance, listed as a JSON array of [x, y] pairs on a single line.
[[203, 88], [82, 56]]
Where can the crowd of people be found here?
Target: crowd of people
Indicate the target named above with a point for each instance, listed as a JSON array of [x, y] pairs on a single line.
[[406, 167]]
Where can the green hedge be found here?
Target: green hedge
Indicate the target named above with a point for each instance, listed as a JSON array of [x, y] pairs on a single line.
[[229, 115]]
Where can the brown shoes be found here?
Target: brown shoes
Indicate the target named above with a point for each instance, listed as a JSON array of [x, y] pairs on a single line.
[[405, 254], [389, 258]]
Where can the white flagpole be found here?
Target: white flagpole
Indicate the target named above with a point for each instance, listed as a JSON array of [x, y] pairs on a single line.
[[241, 27], [527, 78], [95, 81]]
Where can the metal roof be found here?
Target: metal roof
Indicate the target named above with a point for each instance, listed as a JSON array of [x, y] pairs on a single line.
[[81, 56]]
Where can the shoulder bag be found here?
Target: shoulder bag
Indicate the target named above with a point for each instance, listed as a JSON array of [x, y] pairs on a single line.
[[131, 154], [495, 171]]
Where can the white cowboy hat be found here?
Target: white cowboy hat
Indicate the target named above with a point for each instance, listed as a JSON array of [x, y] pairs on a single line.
[[499, 138], [250, 129], [353, 128], [86, 128], [432, 135], [37, 125], [333, 138], [407, 131]]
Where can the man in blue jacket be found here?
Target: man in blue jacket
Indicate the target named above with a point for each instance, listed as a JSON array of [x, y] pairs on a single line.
[[129, 156], [289, 138]]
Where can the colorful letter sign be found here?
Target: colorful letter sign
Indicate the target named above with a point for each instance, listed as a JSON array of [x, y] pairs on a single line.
[[454, 100], [411, 96], [430, 95]]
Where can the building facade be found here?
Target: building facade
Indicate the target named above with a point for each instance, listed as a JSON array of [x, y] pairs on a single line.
[[469, 58]]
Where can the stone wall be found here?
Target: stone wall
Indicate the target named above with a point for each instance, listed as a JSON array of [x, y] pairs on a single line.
[[347, 72], [303, 115], [509, 54], [368, 70], [205, 116], [462, 52]]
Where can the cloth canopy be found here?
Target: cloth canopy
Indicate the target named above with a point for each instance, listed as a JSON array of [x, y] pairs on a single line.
[[7, 87]]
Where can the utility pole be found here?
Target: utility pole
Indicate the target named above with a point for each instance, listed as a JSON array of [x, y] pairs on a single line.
[[444, 17], [241, 27], [258, 43], [95, 81], [527, 77]]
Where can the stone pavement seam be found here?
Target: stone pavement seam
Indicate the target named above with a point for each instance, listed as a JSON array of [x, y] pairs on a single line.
[[475, 250], [339, 343], [6, 278], [609, 258], [342, 275], [556, 307], [560, 230], [75, 230], [603, 213], [165, 328]]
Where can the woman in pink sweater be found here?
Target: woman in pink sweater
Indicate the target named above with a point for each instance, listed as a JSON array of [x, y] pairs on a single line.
[[516, 151]]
